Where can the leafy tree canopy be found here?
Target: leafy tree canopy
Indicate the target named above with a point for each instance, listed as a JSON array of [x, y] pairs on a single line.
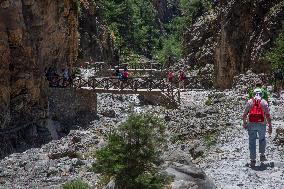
[[137, 29]]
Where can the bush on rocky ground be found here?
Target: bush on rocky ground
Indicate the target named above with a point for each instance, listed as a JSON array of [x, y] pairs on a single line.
[[132, 155], [76, 184]]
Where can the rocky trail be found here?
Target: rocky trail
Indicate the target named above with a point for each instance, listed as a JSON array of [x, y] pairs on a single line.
[[227, 162], [201, 112]]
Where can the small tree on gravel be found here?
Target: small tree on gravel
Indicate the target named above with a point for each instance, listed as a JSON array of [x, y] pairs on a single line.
[[133, 152]]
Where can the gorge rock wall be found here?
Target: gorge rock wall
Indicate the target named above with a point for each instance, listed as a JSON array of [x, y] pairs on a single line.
[[248, 30], [96, 40], [34, 35], [38, 34], [234, 36]]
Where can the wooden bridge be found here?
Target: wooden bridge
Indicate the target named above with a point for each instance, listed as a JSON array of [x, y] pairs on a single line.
[[132, 85], [169, 92]]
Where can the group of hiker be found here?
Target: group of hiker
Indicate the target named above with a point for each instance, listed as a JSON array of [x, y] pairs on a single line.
[[57, 79], [123, 76], [181, 78]]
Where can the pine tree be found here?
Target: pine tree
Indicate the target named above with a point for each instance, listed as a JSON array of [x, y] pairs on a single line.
[[133, 153]]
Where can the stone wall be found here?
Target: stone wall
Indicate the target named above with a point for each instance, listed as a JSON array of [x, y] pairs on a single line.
[[72, 106]]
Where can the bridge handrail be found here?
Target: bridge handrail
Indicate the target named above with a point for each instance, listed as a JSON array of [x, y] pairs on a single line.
[[133, 83], [141, 65]]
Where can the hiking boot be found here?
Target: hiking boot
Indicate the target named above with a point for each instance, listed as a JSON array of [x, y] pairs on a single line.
[[262, 158], [252, 163]]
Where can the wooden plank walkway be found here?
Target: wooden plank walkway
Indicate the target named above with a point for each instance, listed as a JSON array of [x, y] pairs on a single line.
[[133, 85]]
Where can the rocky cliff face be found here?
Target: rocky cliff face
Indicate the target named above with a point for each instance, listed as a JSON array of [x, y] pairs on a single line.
[[234, 37], [34, 35], [96, 42], [165, 9]]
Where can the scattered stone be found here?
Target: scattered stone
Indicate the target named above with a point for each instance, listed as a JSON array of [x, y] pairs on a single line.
[[109, 113]]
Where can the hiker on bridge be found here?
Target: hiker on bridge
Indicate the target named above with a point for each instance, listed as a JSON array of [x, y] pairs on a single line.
[[258, 114], [170, 76], [117, 73], [125, 75], [181, 79], [124, 78], [66, 77]]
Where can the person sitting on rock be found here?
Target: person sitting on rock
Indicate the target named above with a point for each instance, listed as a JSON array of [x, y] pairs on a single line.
[[65, 74], [55, 78], [48, 74], [257, 111]]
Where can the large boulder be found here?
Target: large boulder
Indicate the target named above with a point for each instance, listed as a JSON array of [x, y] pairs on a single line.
[[185, 174]]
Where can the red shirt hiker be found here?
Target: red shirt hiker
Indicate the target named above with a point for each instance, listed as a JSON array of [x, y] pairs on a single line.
[[181, 76], [170, 76]]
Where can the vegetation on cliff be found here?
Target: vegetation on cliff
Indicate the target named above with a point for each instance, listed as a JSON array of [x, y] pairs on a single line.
[[275, 56], [137, 29]]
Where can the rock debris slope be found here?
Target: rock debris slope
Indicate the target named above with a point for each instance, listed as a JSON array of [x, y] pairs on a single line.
[[203, 116]]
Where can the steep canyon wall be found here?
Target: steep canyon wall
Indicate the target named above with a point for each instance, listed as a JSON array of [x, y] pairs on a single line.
[[34, 34], [95, 40], [234, 36]]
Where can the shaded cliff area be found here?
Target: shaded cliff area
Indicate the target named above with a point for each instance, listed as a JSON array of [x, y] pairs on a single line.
[[234, 35], [36, 35], [96, 44]]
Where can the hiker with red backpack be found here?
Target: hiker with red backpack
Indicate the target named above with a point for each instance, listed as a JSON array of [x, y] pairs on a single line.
[[257, 112]]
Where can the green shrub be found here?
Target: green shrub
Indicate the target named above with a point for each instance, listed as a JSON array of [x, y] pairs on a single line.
[[133, 152], [171, 47], [210, 139], [275, 56], [76, 184], [209, 101]]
